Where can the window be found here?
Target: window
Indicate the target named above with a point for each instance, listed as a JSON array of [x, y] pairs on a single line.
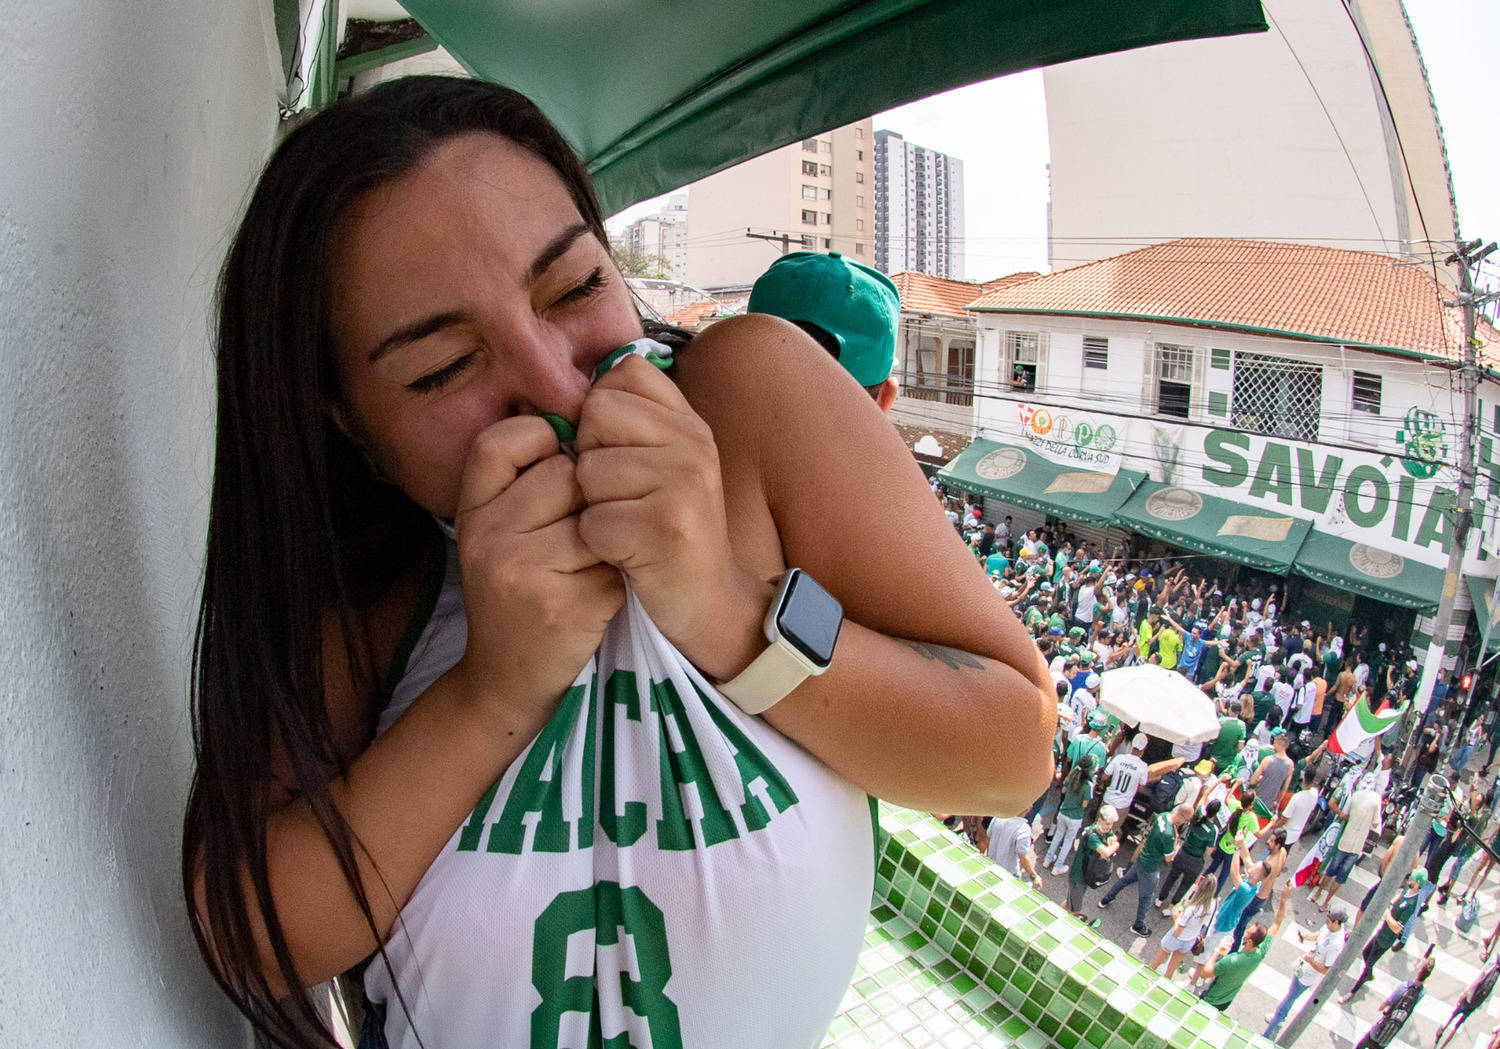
[[810, 145], [824, 169], [827, 219], [859, 249], [960, 374], [828, 194], [809, 167], [1278, 396], [859, 176], [859, 154], [825, 147], [1174, 380], [808, 240], [920, 369], [809, 218], [859, 132], [1366, 393], [1024, 359], [859, 201], [859, 224], [827, 243], [809, 192], [1095, 351]]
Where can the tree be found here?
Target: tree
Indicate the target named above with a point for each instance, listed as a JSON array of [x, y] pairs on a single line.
[[639, 264]]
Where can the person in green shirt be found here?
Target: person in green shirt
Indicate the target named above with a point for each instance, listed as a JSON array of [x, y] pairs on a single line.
[[1240, 824], [996, 562], [1227, 743], [1077, 789], [1099, 840], [1158, 846], [1146, 633], [1230, 969], [1169, 645], [1396, 917], [1091, 741]]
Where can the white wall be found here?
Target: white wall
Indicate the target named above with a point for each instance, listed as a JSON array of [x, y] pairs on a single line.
[[131, 132], [1265, 136]]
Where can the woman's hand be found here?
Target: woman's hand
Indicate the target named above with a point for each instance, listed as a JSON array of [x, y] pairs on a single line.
[[537, 598], [648, 469]]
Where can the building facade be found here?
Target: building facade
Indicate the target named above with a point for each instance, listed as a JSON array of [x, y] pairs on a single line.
[[661, 236], [1291, 409], [1283, 135], [814, 195], [919, 209]]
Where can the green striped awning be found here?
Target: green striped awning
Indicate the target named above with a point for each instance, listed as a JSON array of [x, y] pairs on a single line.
[[1244, 534], [1368, 570], [1021, 477]]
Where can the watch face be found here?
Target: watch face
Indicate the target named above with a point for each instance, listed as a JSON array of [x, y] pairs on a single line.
[[810, 618]]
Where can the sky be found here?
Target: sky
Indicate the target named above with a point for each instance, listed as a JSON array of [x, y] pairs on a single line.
[[999, 129]]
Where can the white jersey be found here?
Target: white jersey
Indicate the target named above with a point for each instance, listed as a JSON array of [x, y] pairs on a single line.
[[1126, 772], [656, 868]]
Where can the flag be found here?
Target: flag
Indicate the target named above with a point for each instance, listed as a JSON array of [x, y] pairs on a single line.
[[1361, 725], [1312, 863]]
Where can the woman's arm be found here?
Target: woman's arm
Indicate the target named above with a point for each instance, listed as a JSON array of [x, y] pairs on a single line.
[[932, 671]]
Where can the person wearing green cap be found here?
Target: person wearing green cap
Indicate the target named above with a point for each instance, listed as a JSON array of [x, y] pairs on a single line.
[[1400, 910], [848, 308]]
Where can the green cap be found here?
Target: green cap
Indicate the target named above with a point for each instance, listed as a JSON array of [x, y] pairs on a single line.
[[1098, 719], [856, 305]]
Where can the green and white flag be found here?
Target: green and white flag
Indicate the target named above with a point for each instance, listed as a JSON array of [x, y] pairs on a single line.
[[1361, 725]]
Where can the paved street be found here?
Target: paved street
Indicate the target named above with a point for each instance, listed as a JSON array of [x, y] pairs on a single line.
[[1457, 956]]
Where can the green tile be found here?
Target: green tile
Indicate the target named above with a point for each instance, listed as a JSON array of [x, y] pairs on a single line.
[[1031, 1011], [962, 983], [946, 970], [926, 877], [1132, 1031], [1072, 990], [1079, 1020], [867, 987], [1023, 980], [1048, 1025], [1068, 1039], [952, 923], [986, 951]]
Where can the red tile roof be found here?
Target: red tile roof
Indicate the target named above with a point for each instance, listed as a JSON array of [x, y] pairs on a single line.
[[951, 443], [693, 314], [923, 293], [1356, 297]]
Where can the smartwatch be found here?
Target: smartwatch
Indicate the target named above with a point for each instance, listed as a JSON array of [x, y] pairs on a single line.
[[802, 627]]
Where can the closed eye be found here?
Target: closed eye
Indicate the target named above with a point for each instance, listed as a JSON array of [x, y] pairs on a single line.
[[436, 380], [585, 289]]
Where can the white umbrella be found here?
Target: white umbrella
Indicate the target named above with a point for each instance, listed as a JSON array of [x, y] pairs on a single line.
[[1162, 702]]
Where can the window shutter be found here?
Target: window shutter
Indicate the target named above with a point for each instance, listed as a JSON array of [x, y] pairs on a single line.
[[1200, 382], [1148, 381], [1043, 345]]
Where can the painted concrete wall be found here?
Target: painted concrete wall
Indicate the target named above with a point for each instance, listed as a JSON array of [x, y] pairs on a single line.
[[131, 133], [1279, 135]]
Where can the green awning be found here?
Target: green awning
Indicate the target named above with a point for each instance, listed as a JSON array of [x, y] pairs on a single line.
[[1246, 535], [1479, 596], [656, 94], [1022, 478], [1368, 570]]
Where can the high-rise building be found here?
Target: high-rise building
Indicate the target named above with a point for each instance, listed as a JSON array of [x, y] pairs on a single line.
[[1323, 132], [661, 236], [919, 208], [813, 195]]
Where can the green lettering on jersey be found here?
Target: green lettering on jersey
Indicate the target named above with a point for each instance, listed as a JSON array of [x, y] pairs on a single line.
[[538, 788], [613, 914], [680, 768], [623, 828], [754, 768]]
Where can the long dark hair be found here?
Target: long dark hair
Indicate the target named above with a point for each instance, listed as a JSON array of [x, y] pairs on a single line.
[[302, 535]]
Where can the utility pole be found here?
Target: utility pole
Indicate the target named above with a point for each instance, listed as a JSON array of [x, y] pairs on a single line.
[[1432, 796], [1468, 256], [785, 239]]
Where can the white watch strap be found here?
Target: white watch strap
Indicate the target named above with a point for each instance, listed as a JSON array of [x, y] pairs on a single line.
[[767, 680]]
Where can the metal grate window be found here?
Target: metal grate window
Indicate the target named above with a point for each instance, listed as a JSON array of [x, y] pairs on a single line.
[[1366, 393], [1277, 396], [1095, 351]]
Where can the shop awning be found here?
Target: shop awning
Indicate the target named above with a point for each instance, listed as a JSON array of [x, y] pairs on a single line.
[[1022, 478], [655, 95], [1479, 595], [1363, 569], [1246, 535]]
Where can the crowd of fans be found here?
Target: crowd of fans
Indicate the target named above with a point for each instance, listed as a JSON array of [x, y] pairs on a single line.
[[1204, 833]]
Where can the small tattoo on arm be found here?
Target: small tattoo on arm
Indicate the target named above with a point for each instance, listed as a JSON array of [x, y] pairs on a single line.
[[954, 658]]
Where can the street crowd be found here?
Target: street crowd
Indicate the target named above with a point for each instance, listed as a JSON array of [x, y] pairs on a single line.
[[1204, 834]]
